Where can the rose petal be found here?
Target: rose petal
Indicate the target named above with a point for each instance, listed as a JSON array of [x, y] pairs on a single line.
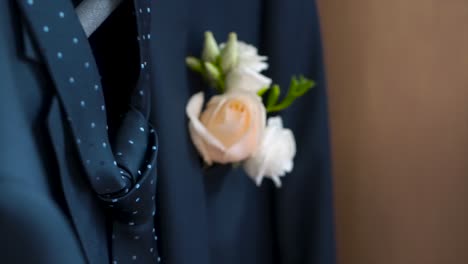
[[193, 110], [248, 57], [275, 122], [200, 145], [277, 181], [218, 101], [258, 181], [204, 131], [257, 64], [258, 112], [292, 142], [274, 157], [245, 79]]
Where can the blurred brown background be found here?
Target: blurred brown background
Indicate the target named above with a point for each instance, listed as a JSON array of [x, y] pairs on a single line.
[[398, 84]]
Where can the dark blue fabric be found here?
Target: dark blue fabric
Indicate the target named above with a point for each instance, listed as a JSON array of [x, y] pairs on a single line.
[[122, 175], [206, 216], [218, 215]]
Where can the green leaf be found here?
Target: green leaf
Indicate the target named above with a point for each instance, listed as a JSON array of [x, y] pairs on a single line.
[[210, 49], [194, 64], [301, 86], [273, 95], [284, 104], [262, 91], [297, 88]]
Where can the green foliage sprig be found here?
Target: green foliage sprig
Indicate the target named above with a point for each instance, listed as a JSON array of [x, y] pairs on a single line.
[[216, 62], [297, 88]]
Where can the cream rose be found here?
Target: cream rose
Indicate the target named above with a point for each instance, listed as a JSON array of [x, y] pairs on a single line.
[[274, 157], [230, 127]]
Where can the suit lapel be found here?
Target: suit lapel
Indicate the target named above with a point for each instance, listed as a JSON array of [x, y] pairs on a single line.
[[87, 216], [29, 51], [52, 27]]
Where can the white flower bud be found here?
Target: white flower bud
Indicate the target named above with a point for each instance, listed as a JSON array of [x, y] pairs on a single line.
[[229, 54], [210, 49]]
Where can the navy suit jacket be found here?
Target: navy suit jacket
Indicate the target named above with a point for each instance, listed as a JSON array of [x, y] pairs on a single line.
[[49, 214]]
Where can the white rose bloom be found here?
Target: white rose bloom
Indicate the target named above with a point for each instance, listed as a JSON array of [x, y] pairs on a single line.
[[274, 157], [249, 58], [246, 79], [246, 74]]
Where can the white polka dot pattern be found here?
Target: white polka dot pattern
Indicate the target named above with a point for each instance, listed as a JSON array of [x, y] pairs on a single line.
[[124, 184]]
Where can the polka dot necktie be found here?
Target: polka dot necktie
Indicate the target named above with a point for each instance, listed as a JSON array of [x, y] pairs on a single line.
[[122, 174]]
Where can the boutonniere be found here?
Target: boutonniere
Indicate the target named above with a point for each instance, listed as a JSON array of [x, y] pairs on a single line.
[[233, 127]]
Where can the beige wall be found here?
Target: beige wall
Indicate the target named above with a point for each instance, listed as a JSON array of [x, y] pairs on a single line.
[[398, 84]]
